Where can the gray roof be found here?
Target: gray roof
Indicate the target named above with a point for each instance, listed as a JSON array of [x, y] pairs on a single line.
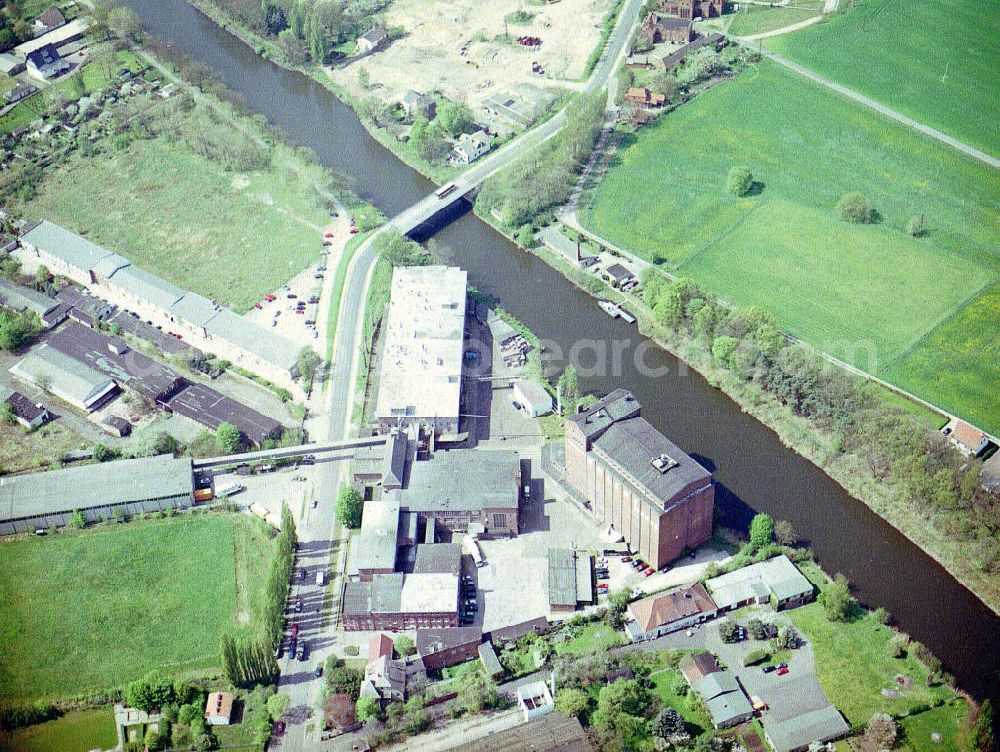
[[147, 286], [614, 406], [269, 347], [562, 577], [195, 309], [723, 697], [357, 598], [777, 576], [98, 485], [20, 298], [464, 479], [387, 593], [67, 378], [374, 35], [70, 247], [394, 461], [110, 264], [630, 445], [489, 658], [821, 725], [430, 641], [438, 557], [535, 393]]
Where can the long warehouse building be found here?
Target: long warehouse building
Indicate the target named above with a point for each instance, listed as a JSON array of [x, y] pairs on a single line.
[[99, 491]]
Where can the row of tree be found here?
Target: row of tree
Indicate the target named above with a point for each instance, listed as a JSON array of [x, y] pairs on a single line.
[[543, 178], [917, 463]]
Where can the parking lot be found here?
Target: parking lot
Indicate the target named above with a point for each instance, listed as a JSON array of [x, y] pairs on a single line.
[[290, 297]]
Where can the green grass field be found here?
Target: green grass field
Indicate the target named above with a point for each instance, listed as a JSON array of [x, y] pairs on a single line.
[[854, 663], [946, 720], [958, 363], [230, 237], [865, 293], [934, 61], [121, 600], [77, 731], [757, 19]]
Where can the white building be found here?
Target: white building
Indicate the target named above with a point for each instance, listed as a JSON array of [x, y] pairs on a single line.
[[533, 397], [471, 146], [535, 700], [420, 381], [204, 323]]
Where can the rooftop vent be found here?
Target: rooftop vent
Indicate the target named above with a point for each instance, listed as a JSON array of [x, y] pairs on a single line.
[[663, 463]]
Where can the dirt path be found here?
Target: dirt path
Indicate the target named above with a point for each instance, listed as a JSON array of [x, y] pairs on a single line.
[[909, 122], [784, 29]]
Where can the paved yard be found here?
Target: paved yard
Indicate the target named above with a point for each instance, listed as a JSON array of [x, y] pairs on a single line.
[[795, 693]]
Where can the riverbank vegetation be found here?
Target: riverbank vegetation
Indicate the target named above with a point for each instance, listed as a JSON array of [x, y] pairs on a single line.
[[122, 599], [882, 453], [934, 62], [543, 178], [784, 247]]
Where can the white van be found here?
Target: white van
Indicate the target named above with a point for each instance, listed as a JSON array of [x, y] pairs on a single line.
[[321, 578]]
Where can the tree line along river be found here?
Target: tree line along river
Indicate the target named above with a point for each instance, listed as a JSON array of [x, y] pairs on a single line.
[[753, 469]]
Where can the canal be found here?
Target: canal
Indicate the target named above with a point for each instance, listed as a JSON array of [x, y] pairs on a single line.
[[755, 471]]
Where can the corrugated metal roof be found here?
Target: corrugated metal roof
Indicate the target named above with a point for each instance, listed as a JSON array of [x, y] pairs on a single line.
[[821, 725], [63, 376], [20, 298], [562, 577], [63, 244], [89, 486], [461, 480]]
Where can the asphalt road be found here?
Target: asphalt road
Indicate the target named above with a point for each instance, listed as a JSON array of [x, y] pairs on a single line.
[[316, 533]]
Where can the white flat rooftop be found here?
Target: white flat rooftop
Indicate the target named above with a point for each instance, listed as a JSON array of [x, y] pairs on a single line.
[[429, 593], [421, 375]]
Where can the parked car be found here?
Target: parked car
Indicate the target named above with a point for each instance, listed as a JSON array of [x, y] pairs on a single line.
[[303, 651], [782, 665], [782, 671], [294, 630], [291, 296], [626, 559], [768, 669], [314, 503], [649, 571], [319, 670], [298, 605], [327, 234], [279, 727]]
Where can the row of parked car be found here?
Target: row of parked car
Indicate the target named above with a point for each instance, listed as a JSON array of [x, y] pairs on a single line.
[[470, 604]]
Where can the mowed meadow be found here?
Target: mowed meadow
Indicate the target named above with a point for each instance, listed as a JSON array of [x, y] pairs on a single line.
[[90, 610], [934, 61], [865, 293]]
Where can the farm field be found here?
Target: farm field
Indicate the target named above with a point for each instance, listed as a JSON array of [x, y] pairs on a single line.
[[958, 363], [232, 236], [120, 600], [77, 730], [757, 19], [935, 62], [784, 247]]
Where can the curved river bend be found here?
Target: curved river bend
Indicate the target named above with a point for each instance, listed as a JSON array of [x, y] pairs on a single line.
[[753, 468]]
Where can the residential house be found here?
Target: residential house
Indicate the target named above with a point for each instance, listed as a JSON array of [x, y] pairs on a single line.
[[696, 666], [471, 146], [539, 625], [372, 39], [19, 92], [618, 275], [219, 708], [49, 20], [27, 413], [440, 648], [387, 679], [45, 63], [968, 439], [669, 611], [418, 105], [726, 702], [645, 98], [535, 700]]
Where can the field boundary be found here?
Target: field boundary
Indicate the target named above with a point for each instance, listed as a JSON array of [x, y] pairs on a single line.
[[877, 106]]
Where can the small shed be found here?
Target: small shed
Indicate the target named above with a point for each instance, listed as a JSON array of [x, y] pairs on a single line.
[[116, 426], [533, 397], [489, 659], [618, 274], [372, 39]]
